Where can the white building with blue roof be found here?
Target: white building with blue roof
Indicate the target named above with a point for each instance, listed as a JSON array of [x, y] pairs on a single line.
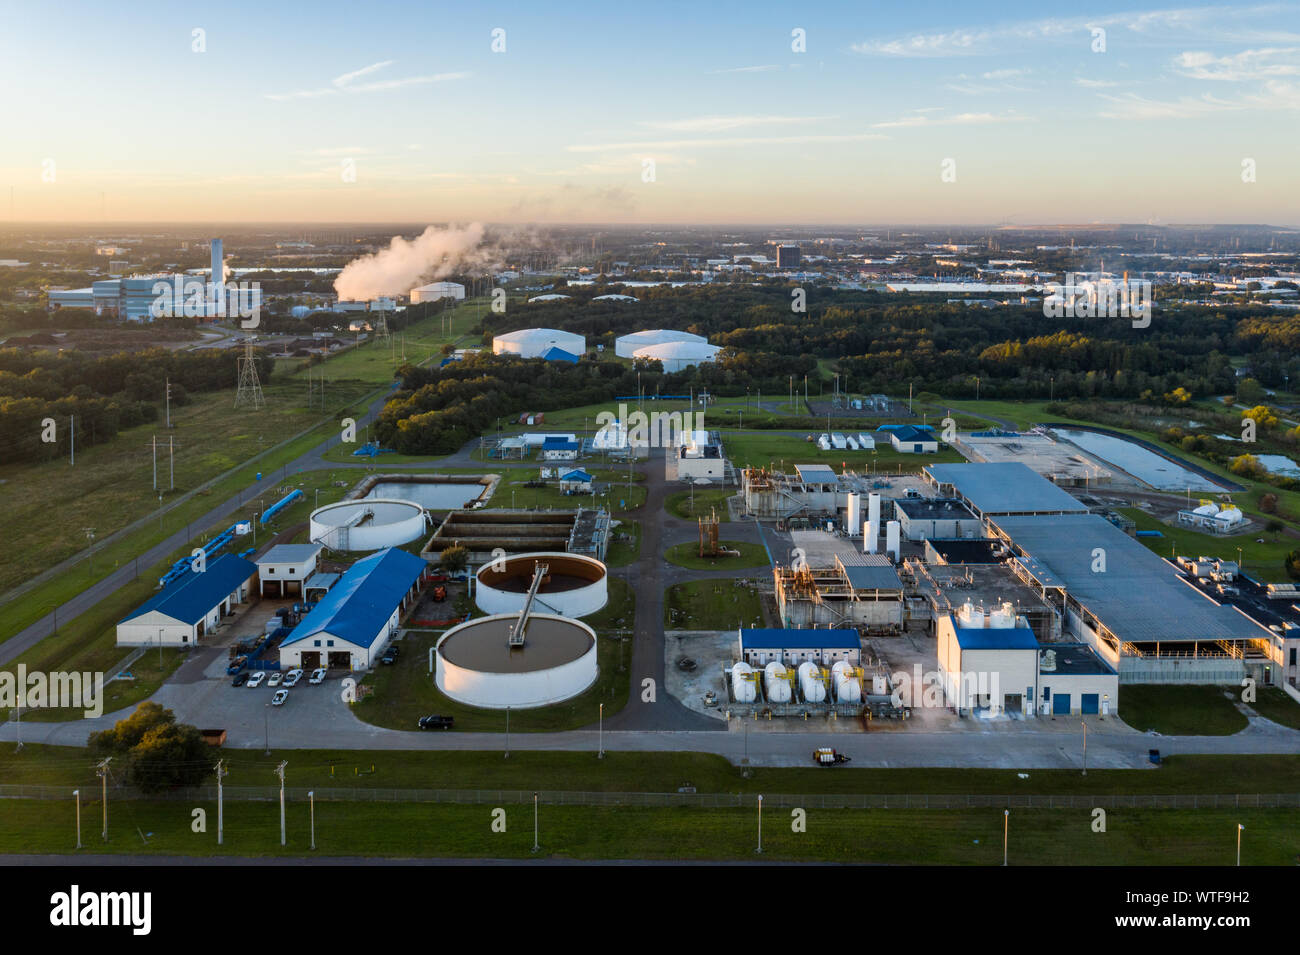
[[761, 646], [350, 626], [988, 660], [188, 609]]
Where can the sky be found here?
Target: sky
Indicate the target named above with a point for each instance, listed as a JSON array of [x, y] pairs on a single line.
[[674, 113]]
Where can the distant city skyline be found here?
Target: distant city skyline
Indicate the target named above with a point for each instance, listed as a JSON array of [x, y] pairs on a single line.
[[730, 114]]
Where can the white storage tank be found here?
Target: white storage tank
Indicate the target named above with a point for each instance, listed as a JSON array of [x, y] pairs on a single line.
[[478, 666], [879, 685], [367, 524], [893, 536], [742, 683], [776, 684], [536, 342], [625, 346], [574, 585], [811, 685], [853, 516], [847, 688]]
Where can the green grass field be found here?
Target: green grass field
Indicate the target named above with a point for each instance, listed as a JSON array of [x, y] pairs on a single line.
[[619, 613], [625, 545], [1259, 561], [901, 837], [1182, 710], [711, 605], [707, 501], [1273, 703], [687, 555], [757, 449]]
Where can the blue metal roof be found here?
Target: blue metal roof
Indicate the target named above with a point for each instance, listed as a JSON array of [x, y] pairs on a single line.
[[556, 353], [364, 598], [996, 638], [578, 474], [913, 433], [190, 600], [776, 638], [559, 444]]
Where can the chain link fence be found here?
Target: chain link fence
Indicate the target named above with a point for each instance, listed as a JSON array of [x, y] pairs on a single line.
[[502, 797]]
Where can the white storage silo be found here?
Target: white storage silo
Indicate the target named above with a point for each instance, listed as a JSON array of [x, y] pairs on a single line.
[[742, 683], [847, 689], [775, 683], [893, 538], [853, 517], [872, 537], [811, 685]]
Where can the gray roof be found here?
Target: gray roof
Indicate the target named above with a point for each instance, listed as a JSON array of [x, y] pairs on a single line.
[[1140, 597], [290, 554], [1005, 487], [870, 572], [816, 473]]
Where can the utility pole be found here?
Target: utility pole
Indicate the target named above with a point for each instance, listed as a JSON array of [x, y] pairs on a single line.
[[311, 798], [72, 441], [221, 774], [77, 795], [169, 404], [279, 771], [759, 850], [155, 462], [102, 772], [171, 461], [537, 847]]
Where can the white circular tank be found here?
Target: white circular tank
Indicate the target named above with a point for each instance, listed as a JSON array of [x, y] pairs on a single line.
[[676, 356], [367, 524], [847, 689], [535, 342], [478, 666], [625, 346], [742, 683], [810, 683], [775, 683], [574, 585]]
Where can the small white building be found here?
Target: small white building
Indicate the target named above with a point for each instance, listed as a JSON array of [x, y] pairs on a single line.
[[558, 448], [283, 569], [699, 455], [187, 610], [988, 661], [911, 440]]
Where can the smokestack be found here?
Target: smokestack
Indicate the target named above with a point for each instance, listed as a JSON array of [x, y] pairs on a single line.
[[893, 546], [853, 521]]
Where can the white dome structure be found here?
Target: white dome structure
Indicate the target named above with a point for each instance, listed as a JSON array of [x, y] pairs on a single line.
[[536, 342], [478, 666], [678, 355], [367, 524], [574, 585], [626, 345]]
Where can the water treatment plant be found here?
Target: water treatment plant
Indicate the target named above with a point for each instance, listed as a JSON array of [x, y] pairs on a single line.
[[573, 586]]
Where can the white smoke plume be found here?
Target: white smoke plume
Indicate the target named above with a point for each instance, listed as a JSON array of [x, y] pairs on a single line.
[[406, 264]]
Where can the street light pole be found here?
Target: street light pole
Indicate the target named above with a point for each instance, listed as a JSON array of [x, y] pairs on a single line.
[[311, 796], [266, 725], [77, 794], [759, 850], [601, 754], [536, 847], [279, 771], [507, 732], [1240, 827]]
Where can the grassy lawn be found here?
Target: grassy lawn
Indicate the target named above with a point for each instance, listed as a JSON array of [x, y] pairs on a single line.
[[511, 492], [1259, 561], [711, 605], [40, 764], [687, 555], [756, 449], [1182, 710], [901, 837], [625, 547], [404, 691], [1273, 703], [619, 613], [707, 501]]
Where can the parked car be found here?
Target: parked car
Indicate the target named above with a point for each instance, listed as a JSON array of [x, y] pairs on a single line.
[[437, 722], [275, 678], [389, 655], [256, 679], [280, 697], [240, 679], [292, 677], [317, 675]]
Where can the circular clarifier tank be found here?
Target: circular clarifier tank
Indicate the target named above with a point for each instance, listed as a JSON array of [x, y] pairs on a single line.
[[573, 586], [367, 524], [478, 666]]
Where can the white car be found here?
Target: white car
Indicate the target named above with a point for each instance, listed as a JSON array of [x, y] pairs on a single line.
[[317, 675], [275, 678], [279, 698], [292, 677], [256, 679]]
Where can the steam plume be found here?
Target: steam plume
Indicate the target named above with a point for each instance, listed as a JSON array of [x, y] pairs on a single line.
[[405, 264]]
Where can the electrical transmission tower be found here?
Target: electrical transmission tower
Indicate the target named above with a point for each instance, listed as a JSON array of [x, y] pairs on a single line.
[[249, 394]]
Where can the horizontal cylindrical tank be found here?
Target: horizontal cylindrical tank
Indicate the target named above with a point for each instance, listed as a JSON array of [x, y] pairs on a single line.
[[742, 683], [847, 688], [775, 683], [574, 585], [810, 683]]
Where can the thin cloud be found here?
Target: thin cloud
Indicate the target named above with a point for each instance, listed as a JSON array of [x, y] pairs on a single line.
[[961, 119], [720, 124], [1132, 106], [1246, 65], [345, 83], [646, 146], [346, 78]]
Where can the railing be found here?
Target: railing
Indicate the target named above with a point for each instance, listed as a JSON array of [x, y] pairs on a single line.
[[495, 797]]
